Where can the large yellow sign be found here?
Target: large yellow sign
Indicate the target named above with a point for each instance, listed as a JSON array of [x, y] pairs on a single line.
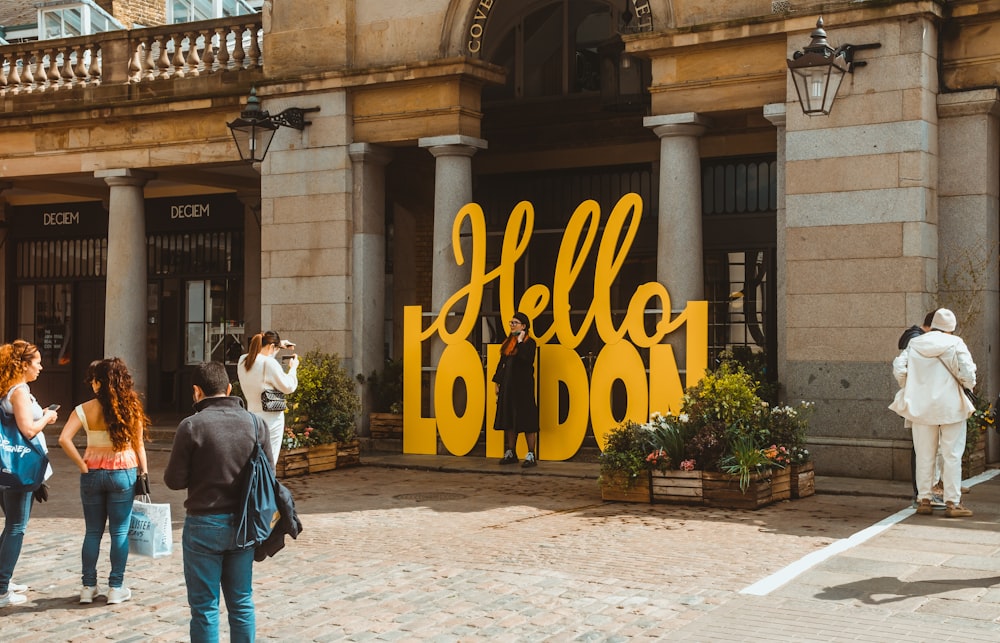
[[659, 389]]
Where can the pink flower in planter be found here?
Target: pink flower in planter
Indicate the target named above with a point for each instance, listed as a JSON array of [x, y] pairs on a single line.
[[687, 465]]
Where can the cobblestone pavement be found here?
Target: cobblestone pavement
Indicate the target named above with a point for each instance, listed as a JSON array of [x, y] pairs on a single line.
[[434, 555]]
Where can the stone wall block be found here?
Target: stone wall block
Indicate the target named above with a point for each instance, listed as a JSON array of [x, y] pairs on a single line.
[[313, 261], [849, 344], [859, 208], [878, 171], [838, 242], [856, 276], [310, 208], [305, 236], [305, 290], [843, 310]]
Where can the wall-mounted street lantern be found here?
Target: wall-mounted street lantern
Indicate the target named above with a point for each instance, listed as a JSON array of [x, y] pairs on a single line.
[[255, 128], [818, 70]]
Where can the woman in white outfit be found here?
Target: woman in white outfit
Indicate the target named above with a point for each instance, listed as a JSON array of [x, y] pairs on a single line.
[[258, 370]]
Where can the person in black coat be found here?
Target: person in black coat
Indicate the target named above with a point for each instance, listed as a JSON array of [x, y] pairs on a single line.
[[904, 341], [517, 411]]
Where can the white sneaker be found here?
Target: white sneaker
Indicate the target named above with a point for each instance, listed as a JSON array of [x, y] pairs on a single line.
[[119, 595], [10, 598], [88, 594], [17, 589]]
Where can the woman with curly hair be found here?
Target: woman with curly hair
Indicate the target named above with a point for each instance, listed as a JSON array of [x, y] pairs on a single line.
[[116, 424], [20, 363]]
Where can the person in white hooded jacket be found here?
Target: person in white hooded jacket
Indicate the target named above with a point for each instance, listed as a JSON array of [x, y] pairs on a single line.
[[932, 371]]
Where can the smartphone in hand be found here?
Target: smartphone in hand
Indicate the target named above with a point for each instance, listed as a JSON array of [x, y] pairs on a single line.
[[53, 407]]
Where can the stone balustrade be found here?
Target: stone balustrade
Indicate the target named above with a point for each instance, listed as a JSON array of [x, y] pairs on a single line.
[[138, 56]]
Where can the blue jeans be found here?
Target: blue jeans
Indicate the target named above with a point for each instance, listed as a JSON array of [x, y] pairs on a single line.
[[17, 509], [211, 562], [107, 496]]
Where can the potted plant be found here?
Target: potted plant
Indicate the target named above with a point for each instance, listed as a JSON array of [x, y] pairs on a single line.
[[321, 412], [624, 465], [385, 389], [674, 478], [974, 457]]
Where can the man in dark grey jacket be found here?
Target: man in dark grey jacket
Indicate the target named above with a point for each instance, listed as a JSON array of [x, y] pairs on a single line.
[[210, 453]]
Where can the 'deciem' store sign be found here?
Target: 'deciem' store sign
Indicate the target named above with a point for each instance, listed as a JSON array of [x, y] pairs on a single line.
[[558, 364]]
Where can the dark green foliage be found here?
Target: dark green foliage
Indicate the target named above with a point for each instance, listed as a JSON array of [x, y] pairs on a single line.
[[325, 400]]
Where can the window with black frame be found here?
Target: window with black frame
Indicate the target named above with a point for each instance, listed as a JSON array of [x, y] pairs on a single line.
[[739, 208]]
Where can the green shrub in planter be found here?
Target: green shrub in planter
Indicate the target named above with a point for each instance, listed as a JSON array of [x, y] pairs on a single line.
[[325, 399]]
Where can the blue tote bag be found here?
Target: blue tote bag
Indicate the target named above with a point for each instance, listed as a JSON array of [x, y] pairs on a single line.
[[22, 461], [259, 506]]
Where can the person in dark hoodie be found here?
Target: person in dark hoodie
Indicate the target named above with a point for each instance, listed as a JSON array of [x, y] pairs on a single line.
[[210, 452], [931, 372], [904, 341]]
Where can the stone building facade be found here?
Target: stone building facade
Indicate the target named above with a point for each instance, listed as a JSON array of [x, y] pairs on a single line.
[[815, 240]]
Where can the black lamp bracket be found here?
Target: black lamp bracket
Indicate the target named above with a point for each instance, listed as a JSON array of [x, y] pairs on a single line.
[[848, 51], [293, 117]]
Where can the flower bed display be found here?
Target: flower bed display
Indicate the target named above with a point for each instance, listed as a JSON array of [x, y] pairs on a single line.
[[726, 448]]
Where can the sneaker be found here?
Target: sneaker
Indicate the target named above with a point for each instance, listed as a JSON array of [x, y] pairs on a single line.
[[17, 589], [88, 594], [529, 460], [937, 501], [956, 511], [508, 458], [925, 507], [964, 490], [119, 595], [10, 598]]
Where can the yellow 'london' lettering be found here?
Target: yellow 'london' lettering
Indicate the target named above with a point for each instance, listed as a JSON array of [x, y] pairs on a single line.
[[559, 367]]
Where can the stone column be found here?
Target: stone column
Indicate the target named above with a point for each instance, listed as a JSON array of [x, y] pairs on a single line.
[[368, 265], [4, 281], [969, 227], [680, 250], [775, 112], [452, 190], [125, 306]]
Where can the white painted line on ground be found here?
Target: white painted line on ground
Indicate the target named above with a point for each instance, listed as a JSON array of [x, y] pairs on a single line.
[[767, 585]]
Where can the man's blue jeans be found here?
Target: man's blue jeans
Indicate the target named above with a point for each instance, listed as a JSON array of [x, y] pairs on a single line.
[[211, 562], [107, 496], [17, 509]]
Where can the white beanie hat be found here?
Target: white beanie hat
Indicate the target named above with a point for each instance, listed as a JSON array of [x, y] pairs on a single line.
[[944, 320]]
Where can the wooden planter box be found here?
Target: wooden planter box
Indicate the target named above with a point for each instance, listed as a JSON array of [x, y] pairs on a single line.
[[677, 487], [723, 490], [292, 462], [781, 484], [349, 454], [322, 457], [613, 488], [803, 480], [385, 425]]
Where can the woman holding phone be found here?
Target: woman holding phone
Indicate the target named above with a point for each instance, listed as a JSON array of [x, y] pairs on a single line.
[[20, 363], [517, 411], [116, 425], [259, 370]]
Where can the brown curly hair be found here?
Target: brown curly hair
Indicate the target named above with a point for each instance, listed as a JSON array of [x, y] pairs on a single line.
[[14, 361], [123, 413]]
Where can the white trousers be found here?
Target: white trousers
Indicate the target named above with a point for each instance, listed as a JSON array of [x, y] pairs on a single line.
[[949, 441]]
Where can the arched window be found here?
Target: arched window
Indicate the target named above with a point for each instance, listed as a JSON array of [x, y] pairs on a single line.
[[563, 47]]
